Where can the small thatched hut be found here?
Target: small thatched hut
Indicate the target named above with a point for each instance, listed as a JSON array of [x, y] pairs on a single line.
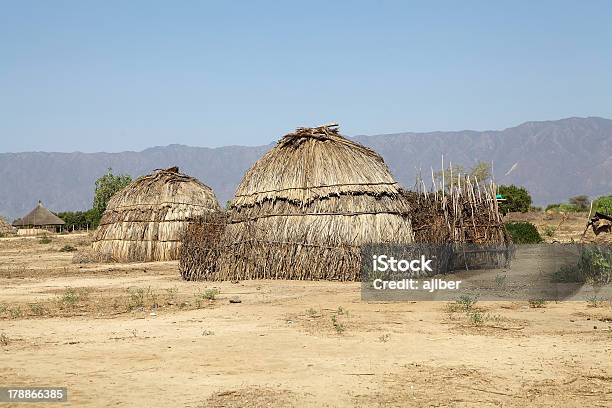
[[145, 220], [5, 227], [39, 218], [301, 212]]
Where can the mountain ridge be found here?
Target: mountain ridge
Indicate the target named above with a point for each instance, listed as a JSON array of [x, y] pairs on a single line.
[[554, 159]]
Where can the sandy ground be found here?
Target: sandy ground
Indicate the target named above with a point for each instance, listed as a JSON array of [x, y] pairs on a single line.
[[136, 335]]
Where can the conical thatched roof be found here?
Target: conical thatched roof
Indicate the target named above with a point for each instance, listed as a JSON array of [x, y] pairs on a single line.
[[304, 209], [39, 217], [145, 220]]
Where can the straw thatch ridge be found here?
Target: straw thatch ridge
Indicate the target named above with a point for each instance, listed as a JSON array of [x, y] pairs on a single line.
[[302, 212], [39, 217], [145, 220]]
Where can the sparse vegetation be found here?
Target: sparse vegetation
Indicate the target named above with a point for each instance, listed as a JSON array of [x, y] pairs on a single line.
[[537, 303], [466, 302], [45, 239], [70, 296], [476, 318], [36, 309], [210, 294], [311, 312], [594, 266], [15, 312], [338, 326], [4, 339], [171, 295], [594, 301], [563, 208], [549, 231]]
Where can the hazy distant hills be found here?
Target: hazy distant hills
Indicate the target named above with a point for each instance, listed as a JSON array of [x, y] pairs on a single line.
[[553, 159]]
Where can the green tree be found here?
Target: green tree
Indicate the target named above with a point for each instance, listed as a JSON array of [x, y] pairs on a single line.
[[517, 198], [581, 202], [481, 171], [106, 187]]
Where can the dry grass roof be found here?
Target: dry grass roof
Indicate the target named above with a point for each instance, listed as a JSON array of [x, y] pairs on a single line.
[[39, 217], [312, 164], [145, 220]]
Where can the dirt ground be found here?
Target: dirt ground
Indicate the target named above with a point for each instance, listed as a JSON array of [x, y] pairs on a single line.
[[137, 335], [561, 227]]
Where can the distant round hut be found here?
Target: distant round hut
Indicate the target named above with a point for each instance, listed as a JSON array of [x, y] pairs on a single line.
[[145, 220], [302, 212], [38, 220]]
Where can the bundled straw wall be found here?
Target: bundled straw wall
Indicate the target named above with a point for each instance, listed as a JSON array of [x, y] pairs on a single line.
[[302, 212], [146, 220]]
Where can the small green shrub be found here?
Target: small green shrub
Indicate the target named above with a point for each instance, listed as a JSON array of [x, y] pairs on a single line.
[[523, 233], [210, 294], [552, 207], [37, 309], [466, 302], [312, 312], [476, 318], [549, 231], [16, 312], [44, 240], [537, 303], [137, 297], [67, 248], [339, 327]]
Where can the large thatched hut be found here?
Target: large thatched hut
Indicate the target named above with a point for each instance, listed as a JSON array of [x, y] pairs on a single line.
[[301, 212], [145, 220]]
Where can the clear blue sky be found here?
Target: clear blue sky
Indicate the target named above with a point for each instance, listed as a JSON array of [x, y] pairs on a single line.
[[126, 75]]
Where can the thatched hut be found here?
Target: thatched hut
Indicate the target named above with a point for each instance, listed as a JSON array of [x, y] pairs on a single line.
[[39, 218], [6, 228], [145, 220], [302, 212]]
